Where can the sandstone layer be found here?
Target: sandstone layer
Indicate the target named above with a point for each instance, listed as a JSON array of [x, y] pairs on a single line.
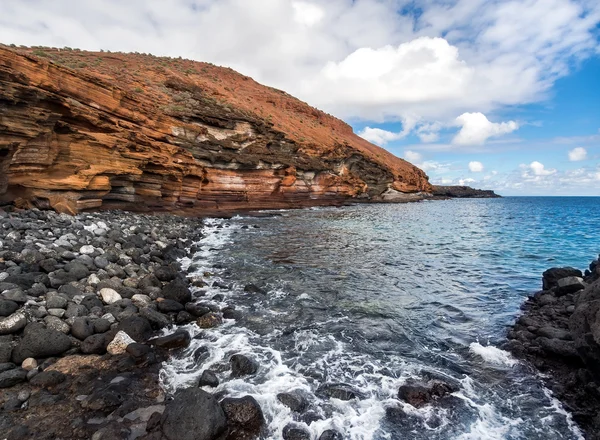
[[83, 130]]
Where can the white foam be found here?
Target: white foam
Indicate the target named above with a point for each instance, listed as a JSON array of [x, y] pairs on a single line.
[[492, 355]]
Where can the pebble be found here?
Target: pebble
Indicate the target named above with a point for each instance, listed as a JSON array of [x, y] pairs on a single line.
[[119, 344], [29, 364], [109, 296], [87, 249]]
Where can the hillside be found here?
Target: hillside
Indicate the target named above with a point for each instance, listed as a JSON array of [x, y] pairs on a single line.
[[98, 130]]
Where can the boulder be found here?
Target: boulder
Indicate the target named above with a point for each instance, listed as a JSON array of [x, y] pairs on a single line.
[[168, 306], [208, 379], [12, 323], [156, 319], [244, 416], [166, 273], [179, 339], [293, 401], [339, 391], [8, 307], [331, 434], [40, 342], [119, 343], [82, 328], [242, 365], [568, 285], [47, 379], [137, 327], [551, 276], [294, 431], [177, 290], [420, 394], [209, 320], [12, 377], [193, 414]]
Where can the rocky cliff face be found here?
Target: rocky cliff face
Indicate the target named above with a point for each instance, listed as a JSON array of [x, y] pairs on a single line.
[[82, 130]]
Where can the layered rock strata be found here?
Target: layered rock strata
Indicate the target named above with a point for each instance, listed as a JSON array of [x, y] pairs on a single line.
[[82, 130]]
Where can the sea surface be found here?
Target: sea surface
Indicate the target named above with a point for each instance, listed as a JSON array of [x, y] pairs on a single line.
[[374, 295]]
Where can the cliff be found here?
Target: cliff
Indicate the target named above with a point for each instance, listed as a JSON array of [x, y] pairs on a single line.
[[459, 192], [96, 130]]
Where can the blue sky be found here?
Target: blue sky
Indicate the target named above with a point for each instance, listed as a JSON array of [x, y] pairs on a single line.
[[497, 94]]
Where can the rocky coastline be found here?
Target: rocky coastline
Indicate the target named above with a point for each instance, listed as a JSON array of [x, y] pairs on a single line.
[[461, 192], [559, 334]]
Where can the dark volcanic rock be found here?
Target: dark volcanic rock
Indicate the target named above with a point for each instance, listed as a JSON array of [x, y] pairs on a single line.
[[177, 290], [242, 365], [244, 417], [12, 377], [47, 379], [7, 307], [339, 391], [460, 192], [193, 414], [40, 342], [419, 394], [293, 431], [551, 276], [179, 339], [208, 378], [137, 327], [293, 401]]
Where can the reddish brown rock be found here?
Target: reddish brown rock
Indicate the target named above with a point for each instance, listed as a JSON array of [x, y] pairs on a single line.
[[84, 130]]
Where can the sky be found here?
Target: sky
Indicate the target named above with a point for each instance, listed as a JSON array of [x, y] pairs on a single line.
[[495, 94]]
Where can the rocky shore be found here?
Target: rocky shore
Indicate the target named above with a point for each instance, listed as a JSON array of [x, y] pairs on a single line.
[[559, 333], [462, 192]]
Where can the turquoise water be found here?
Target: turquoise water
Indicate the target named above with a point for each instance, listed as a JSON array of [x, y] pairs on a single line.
[[372, 295]]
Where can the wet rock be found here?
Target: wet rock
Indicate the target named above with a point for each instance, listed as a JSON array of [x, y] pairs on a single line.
[[559, 347], [169, 306], [182, 419], [177, 290], [293, 431], [196, 309], [8, 307], [554, 333], [138, 350], [156, 319], [551, 276], [244, 417], [294, 401], [48, 379], [209, 320], [119, 343], [179, 339], [242, 365], [331, 434], [252, 288], [208, 379], [40, 342], [418, 394], [166, 273], [12, 323], [183, 317], [137, 327], [12, 377], [339, 391]]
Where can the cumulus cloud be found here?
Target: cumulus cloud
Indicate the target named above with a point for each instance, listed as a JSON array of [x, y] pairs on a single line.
[[577, 154], [539, 169], [475, 167], [379, 136], [476, 129], [413, 156], [355, 59]]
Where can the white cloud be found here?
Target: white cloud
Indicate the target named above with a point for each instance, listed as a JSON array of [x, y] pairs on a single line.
[[413, 156], [540, 170], [463, 182], [476, 129], [475, 167], [356, 59], [308, 14], [577, 154], [380, 137]]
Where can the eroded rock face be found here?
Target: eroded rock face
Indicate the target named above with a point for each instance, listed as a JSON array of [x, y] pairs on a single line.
[[192, 138]]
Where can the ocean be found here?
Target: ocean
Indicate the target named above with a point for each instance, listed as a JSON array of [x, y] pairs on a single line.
[[373, 295]]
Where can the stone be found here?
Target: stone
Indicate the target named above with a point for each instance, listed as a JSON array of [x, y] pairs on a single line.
[[91, 301], [156, 319], [137, 327], [55, 323], [12, 323], [109, 296], [95, 344], [177, 290], [293, 431], [331, 434], [419, 394], [244, 416], [57, 313], [29, 364], [119, 343], [8, 307], [75, 310], [166, 273], [82, 328], [12, 377], [141, 300], [242, 365], [208, 379], [209, 320], [179, 339], [567, 285], [293, 401], [138, 350], [101, 325], [40, 342], [87, 250], [182, 419], [197, 309], [168, 306], [551, 276], [55, 300], [339, 391], [48, 379]]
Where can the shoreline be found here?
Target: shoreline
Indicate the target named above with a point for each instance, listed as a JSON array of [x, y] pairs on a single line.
[[556, 334]]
